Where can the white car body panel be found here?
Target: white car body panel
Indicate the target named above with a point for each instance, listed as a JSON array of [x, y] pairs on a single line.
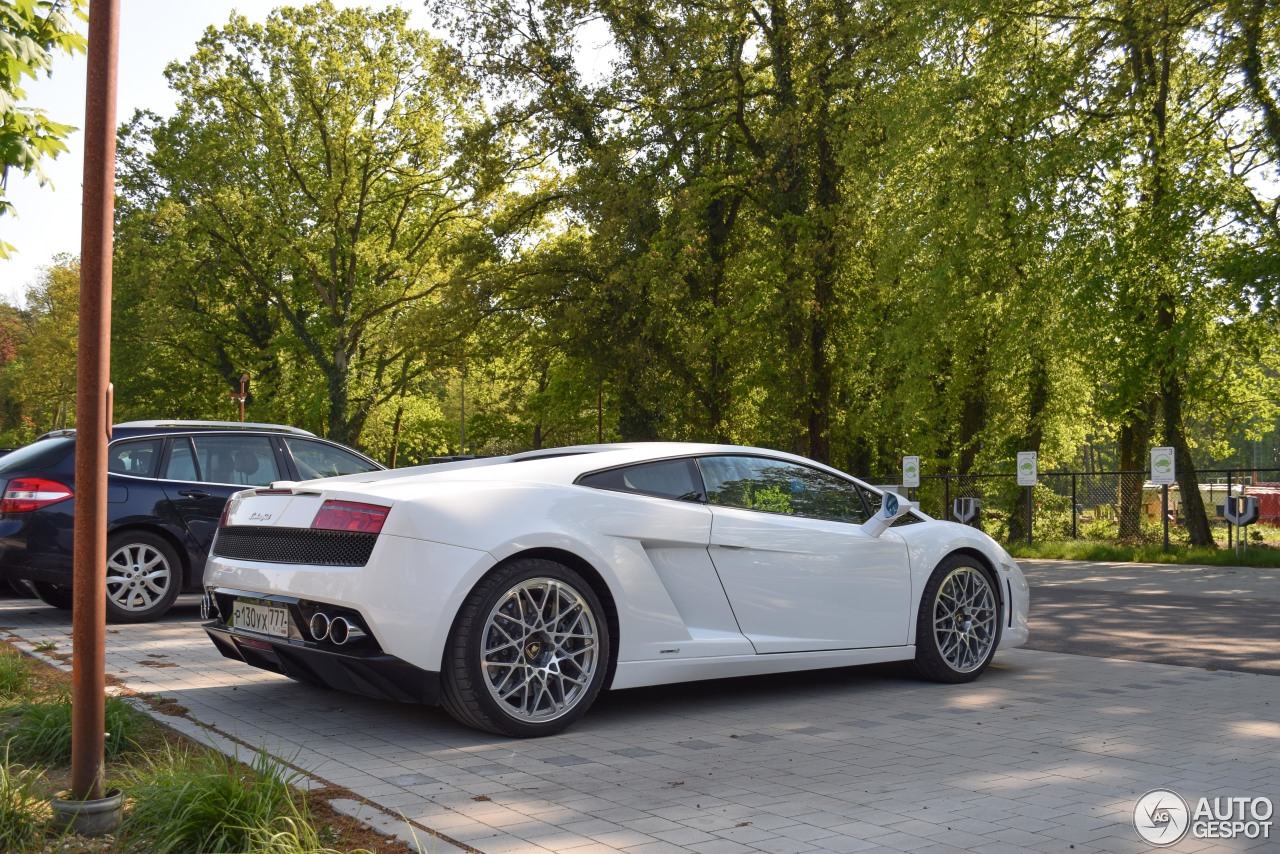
[[802, 585], [699, 591]]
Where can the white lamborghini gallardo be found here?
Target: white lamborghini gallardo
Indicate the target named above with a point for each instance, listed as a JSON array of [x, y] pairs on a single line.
[[512, 590]]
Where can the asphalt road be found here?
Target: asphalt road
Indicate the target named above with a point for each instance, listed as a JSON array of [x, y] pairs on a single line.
[[1210, 617]]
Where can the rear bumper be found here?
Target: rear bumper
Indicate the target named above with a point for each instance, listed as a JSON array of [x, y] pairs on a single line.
[[371, 674]]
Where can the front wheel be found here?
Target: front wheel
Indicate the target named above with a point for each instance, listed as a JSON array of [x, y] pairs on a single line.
[[528, 652], [57, 595], [958, 625], [143, 577]]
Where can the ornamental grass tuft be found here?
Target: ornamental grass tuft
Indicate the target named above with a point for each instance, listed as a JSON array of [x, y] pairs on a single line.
[[187, 803], [22, 808], [43, 730]]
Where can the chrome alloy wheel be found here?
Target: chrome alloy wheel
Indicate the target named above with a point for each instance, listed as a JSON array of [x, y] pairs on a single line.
[[138, 576], [964, 619], [539, 652]]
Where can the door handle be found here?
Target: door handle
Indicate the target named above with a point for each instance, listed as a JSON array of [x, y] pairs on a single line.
[[193, 493]]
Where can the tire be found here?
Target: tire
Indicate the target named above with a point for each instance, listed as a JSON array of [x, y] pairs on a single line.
[[959, 622], [541, 676], [143, 577], [22, 588], [57, 595]]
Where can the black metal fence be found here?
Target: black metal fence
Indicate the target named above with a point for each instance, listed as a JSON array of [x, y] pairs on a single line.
[[1114, 505]]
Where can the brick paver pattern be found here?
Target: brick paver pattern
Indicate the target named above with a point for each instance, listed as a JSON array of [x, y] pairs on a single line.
[[1044, 752]]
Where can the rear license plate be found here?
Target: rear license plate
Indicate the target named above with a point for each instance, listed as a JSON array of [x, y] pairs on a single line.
[[262, 617]]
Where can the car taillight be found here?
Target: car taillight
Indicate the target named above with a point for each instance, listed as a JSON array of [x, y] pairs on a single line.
[[350, 516], [24, 494], [226, 512]]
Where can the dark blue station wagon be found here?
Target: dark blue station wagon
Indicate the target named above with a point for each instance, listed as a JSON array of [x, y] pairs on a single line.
[[167, 484]]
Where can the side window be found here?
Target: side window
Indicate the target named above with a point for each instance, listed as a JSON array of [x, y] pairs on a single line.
[[777, 486], [316, 459], [666, 479], [136, 458], [247, 460], [182, 462]]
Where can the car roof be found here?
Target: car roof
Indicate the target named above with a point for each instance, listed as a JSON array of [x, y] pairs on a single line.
[[561, 465], [138, 428]]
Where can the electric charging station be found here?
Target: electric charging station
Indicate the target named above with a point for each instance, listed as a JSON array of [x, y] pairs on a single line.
[[965, 510], [1241, 511]]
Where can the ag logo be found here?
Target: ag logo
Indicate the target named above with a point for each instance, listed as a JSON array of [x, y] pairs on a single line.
[[1161, 817]]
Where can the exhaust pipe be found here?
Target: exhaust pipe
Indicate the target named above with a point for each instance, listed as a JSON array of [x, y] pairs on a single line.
[[342, 631], [320, 625]]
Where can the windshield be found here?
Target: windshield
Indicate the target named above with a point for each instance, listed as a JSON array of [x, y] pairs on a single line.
[[43, 454]]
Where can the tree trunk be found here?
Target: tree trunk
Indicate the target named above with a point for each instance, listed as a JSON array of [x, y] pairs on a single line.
[[1193, 512], [395, 437], [1134, 440]]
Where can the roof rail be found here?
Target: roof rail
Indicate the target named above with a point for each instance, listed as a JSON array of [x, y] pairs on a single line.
[[175, 424]]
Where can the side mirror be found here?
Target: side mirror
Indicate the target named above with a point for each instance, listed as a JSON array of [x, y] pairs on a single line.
[[890, 510]]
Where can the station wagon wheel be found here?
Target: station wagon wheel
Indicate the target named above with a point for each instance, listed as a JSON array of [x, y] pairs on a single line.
[[57, 595], [958, 624], [143, 577], [529, 651]]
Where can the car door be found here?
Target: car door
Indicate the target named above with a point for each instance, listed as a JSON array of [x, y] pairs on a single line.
[[203, 470], [799, 571]]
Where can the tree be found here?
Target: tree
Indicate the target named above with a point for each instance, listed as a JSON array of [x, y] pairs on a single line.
[[298, 208], [37, 387], [31, 31]]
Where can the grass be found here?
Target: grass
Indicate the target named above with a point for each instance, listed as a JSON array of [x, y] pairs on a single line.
[[15, 673], [43, 730], [201, 802], [1256, 556], [22, 811], [180, 796]]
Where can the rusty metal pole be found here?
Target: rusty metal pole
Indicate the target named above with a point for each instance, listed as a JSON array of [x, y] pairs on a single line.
[[93, 408]]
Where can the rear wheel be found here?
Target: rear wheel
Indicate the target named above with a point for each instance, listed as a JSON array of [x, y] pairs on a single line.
[[958, 626], [143, 577], [57, 595], [528, 653]]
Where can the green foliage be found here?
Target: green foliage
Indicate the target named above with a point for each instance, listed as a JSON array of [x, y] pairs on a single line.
[[22, 813], [15, 674], [288, 835], [1259, 556], [31, 32], [43, 730], [953, 229], [294, 220], [37, 386], [190, 803]]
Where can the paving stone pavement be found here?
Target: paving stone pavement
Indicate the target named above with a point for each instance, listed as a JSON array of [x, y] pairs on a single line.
[[1046, 752], [1155, 578]]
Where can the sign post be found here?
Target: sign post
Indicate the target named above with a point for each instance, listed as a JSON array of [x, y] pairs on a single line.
[[1164, 471], [1028, 474], [911, 473]]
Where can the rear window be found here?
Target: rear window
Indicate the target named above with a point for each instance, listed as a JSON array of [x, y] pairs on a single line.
[[44, 454]]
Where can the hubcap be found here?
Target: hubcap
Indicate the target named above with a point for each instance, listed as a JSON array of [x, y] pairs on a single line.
[[138, 576], [539, 650], [964, 619]]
